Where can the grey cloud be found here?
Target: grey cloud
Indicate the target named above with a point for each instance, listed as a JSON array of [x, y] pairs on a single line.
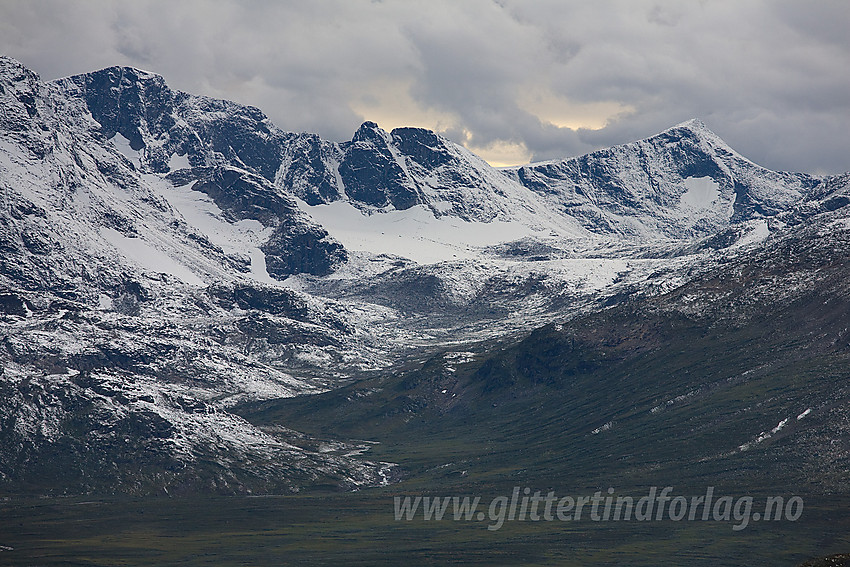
[[768, 76]]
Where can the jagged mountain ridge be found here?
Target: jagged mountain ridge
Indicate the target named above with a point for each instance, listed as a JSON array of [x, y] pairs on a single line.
[[145, 233], [376, 170], [62, 165], [638, 189]]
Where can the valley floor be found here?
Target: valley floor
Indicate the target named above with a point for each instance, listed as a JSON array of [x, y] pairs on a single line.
[[359, 529]]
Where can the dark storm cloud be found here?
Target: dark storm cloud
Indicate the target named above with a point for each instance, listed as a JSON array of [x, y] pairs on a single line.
[[545, 78]]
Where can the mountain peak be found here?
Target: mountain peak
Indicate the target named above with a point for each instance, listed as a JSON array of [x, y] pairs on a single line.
[[12, 70], [696, 131], [692, 124], [370, 132], [126, 74], [695, 128], [127, 70], [19, 94]]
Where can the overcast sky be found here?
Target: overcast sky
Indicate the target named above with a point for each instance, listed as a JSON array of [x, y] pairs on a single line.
[[514, 80]]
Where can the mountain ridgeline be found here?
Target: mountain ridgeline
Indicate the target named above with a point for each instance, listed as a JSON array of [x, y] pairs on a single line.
[[181, 311], [637, 189]]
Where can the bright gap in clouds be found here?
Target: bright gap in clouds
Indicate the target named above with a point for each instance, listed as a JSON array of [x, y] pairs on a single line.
[[557, 110], [390, 104], [502, 153]]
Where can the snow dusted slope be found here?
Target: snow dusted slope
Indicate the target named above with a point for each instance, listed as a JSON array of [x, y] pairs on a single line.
[[88, 201], [136, 310], [682, 183]]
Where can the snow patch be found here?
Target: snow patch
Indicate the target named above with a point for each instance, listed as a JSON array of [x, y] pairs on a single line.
[[779, 427], [765, 435], [178, 162], [147, 257], [758, 233], [241, 238], [104, 302], [412, 233], [122, 144], [701, 192]]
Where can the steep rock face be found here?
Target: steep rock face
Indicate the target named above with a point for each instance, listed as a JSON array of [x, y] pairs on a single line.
[[127, 101], [296, 244], [373, 174], [19, 88], [423, 147], [310, 169], [160, 122], [301, 248], [685, 182]]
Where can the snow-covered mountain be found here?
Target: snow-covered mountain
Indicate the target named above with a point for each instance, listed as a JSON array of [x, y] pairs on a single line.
[[137, 310], [167, 257], [376, 170], [682, 183]]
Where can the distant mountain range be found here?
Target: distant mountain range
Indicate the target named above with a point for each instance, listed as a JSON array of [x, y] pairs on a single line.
[[180, 280]]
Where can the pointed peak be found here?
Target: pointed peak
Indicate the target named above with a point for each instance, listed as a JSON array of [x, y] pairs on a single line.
[[369, 128], [694, 125], [370, 131], [694, 129], [14, 70]]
